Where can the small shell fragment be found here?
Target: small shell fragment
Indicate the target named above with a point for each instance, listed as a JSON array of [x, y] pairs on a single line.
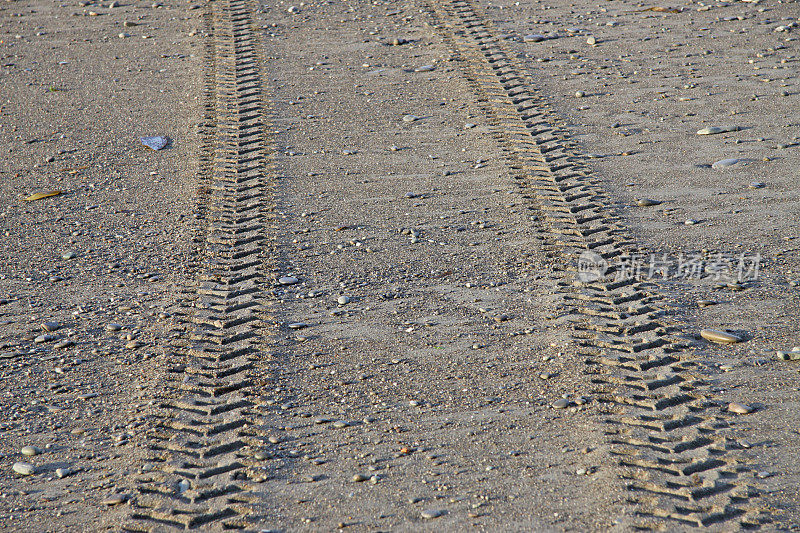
[[40, 195], [713, 130]]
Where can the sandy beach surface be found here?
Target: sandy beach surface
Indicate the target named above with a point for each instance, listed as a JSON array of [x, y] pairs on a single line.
[[435, 265]]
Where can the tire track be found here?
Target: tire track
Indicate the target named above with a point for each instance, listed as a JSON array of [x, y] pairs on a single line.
[[201, 468], [669, 435]]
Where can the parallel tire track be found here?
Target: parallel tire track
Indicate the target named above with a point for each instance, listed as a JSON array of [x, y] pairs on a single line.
[[201, 471], [667, 432]]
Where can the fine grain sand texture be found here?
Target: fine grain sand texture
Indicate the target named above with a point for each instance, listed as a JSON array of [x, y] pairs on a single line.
[[436, 265]]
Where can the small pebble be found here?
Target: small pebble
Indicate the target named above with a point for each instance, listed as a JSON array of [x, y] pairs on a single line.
[[343, 300], [297, 325], [591, 40], [24, 469], [755, 185], [534, 38], [113, 327], [288, 280], [50, 326], [64, 472], [430, 514], [647, 202], [410, 118], [563, 403], [580, 94], [116, 499], [719, 337], [30, 451], [358, 478], [739, 408], [724, 163]]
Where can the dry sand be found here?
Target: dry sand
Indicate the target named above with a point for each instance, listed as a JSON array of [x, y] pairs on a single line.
[[388, 174]]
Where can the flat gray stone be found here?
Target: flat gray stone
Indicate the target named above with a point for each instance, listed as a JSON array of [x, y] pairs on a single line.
[[725, 163], [24, 469], [739, 408], [719, 337], [155, 142], [647, 202], [116, 499], [534, 38], [30, 451]]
